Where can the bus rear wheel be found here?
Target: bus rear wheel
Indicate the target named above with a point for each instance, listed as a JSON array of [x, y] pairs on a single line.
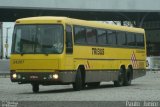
[[77, 85], [120, 81], [129, 77], [35, 87]]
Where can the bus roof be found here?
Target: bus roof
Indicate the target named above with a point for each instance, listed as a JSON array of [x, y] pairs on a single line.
[[53, 19]]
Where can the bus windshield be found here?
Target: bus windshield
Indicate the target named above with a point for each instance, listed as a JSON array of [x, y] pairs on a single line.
[[40, 39]]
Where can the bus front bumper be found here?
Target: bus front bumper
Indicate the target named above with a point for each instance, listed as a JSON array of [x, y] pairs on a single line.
[[43, 77]]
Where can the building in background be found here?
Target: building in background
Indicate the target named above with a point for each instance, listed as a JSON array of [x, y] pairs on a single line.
[[1, 41], [153, 44], [6, 31]]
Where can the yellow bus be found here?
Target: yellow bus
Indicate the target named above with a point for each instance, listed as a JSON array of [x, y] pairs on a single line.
[[60, 50]]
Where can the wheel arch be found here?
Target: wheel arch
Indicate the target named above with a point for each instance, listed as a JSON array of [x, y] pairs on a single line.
[[123, 67]]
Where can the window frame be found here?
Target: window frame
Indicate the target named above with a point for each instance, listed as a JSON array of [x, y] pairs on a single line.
[[14, 39], [115, 45]]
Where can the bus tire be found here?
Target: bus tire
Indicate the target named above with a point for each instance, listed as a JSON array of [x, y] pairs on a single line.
[[77, 85], [93, 84], [35, 87], [120, 81], [128, 77]]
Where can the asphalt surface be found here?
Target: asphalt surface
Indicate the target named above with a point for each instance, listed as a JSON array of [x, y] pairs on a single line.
[[4, 66], [142, 89]]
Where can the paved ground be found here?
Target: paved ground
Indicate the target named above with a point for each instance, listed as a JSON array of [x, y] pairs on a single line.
[[4, 66], [143, 89]]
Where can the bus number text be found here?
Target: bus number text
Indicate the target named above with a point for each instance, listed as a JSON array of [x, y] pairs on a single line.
[[97, 51]]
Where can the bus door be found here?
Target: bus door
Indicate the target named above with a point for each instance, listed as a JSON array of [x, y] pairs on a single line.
[[69, 47]]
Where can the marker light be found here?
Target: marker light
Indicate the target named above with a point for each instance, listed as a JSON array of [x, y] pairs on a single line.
[[14, 76], [55, 76]]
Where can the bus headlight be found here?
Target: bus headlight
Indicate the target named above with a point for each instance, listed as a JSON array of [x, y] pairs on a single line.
[[55, 76], [14, 76]]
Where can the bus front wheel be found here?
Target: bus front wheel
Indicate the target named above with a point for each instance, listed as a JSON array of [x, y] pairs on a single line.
[[77, 85], [35, 87]]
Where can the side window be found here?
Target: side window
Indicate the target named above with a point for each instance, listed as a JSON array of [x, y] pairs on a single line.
[[111, 37], [102, 37], [121, 38], [69, 44], [91, 35], [131, 39], [80, 35], [140, 40]]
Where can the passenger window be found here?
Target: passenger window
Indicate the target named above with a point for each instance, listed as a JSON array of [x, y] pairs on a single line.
[[91, 36], [140, 40], [102, 37], [121, 38], [131, 39], [111, 37], [80, 35]]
